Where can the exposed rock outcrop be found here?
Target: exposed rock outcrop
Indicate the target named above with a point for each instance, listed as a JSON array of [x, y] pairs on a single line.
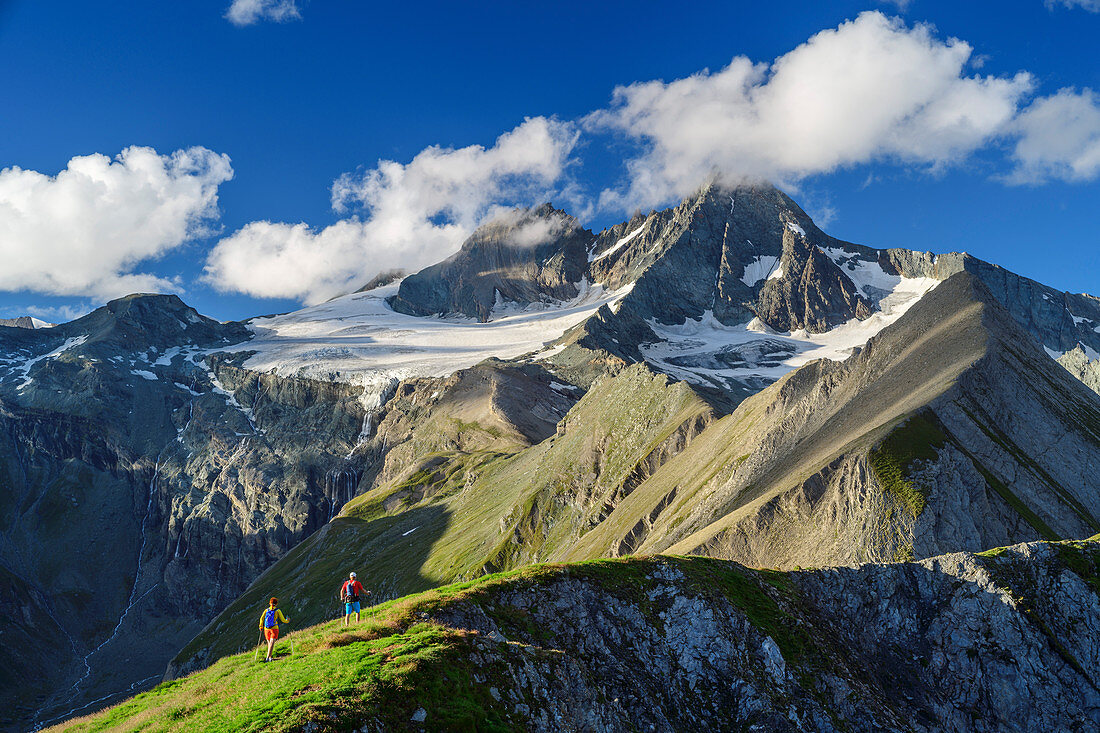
[[527, 256], [1005, 640]]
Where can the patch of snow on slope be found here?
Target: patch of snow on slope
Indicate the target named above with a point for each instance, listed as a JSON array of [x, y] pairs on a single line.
[[169, 354], [217, 387], [705, 351], [796, 229], [145, 374], [617, 246], [1090, 353], [26, 368], [359, 339], [870, 279], [762, 267]]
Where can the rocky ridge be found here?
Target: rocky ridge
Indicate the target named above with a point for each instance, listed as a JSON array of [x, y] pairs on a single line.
[[997, 641]]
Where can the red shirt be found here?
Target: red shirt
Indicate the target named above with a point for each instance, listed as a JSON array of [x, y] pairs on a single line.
[[351, 588]]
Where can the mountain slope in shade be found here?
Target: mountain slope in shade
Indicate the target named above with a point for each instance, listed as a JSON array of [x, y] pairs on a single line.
[[151, 482], [1003, 640]]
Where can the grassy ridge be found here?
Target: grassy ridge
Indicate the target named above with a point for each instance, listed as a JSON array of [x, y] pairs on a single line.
[[399, 659]]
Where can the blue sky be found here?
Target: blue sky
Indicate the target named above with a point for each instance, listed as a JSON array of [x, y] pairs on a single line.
[[293, 106]]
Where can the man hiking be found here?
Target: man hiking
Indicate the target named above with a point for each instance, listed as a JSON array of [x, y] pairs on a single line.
[[349, 595], [269, 624]]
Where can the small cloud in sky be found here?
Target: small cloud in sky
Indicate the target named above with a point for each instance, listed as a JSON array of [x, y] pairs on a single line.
[[84, 231], [55, 313], [901, 5], [1058, 138], [402, 215], [249, 12], [1092, 6]]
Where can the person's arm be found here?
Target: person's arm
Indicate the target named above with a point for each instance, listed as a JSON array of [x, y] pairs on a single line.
[[283, 618]]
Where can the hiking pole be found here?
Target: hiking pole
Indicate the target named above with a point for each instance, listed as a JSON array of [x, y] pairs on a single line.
[[259, 643]]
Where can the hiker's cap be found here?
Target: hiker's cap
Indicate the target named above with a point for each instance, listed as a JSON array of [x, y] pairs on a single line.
[[273, 602], [353, 575]]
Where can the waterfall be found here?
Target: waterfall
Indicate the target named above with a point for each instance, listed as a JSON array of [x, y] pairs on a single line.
[[340, 486], [376, 393]]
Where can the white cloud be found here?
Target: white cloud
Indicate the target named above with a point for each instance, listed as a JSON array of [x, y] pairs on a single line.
[[1093, 6], [413, 215], [872, 89], [85, 230], [57, 313], [247, 12], [526, 230], [901, 5], [1059, 138]]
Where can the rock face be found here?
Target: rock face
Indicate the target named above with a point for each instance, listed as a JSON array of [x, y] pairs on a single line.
[[1077, 363], [959, 642], [813, 293], [146, 483], [22, 322], [525, 257]]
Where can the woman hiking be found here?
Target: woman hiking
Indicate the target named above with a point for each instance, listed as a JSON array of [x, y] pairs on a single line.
[[269, 624]]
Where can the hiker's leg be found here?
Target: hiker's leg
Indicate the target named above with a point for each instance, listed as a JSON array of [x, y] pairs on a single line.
[[356, 617], [270, 647]]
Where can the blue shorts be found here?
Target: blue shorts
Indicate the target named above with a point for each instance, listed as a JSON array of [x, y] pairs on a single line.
[[350, 608]]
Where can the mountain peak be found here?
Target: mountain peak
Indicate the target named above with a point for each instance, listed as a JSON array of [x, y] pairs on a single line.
[[141, 320]]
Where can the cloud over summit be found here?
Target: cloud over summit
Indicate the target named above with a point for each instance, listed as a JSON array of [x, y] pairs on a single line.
[[403, 214], [869, 90]]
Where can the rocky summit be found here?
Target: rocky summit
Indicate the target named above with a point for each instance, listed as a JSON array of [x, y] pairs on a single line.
[[697, 391]]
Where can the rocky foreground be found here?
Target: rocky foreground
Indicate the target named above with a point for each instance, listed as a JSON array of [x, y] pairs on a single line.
[[1001, 640]]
